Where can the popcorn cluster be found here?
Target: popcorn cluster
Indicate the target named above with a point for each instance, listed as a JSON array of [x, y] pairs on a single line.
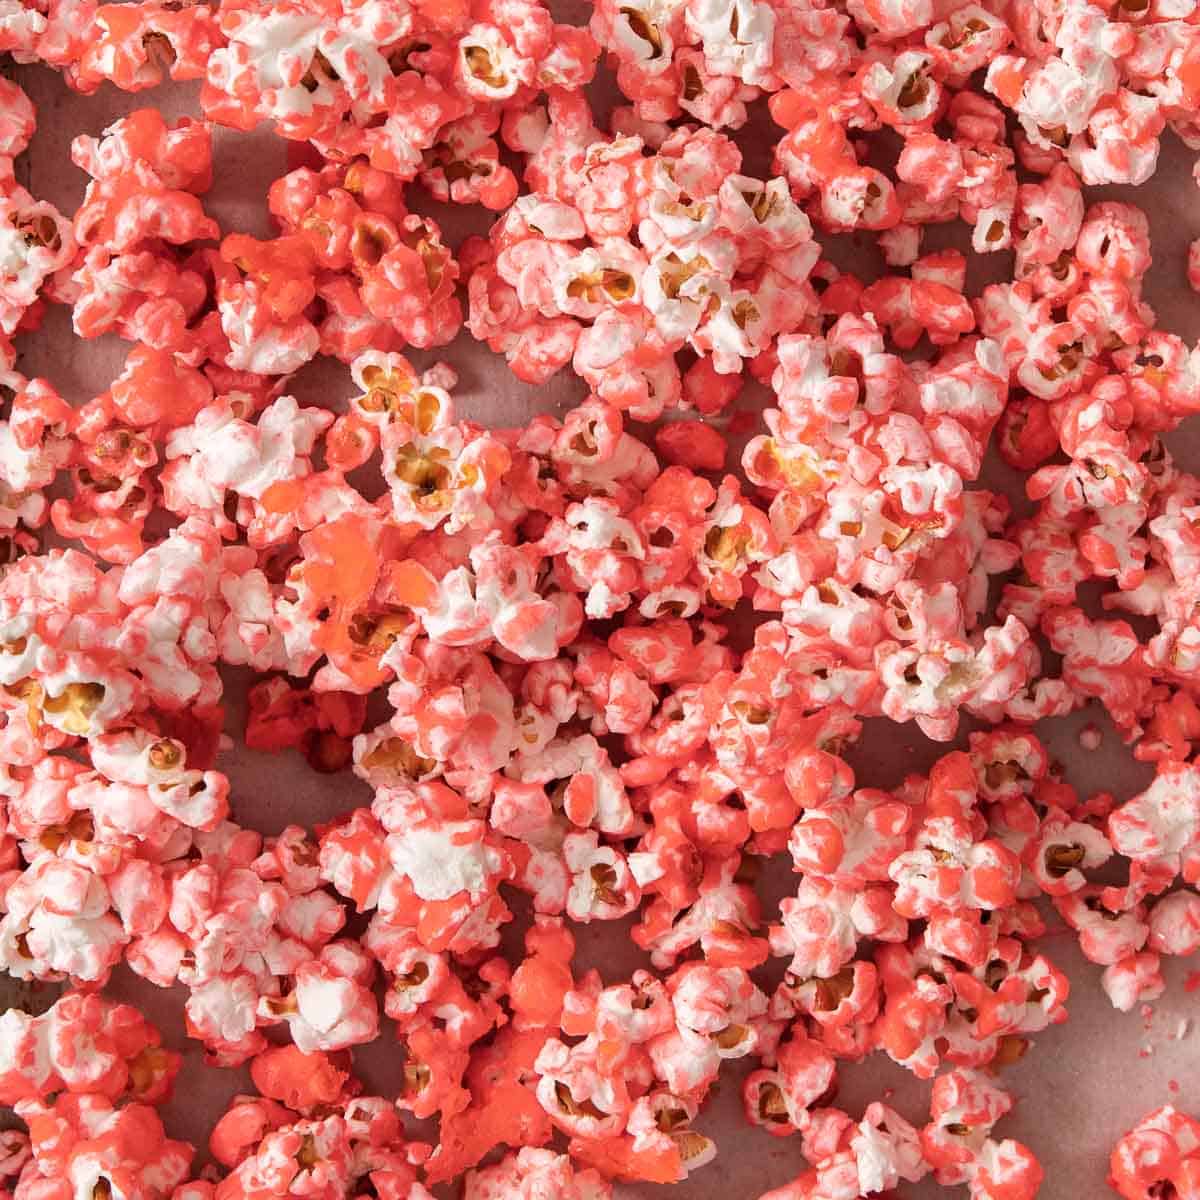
[[589, 668]]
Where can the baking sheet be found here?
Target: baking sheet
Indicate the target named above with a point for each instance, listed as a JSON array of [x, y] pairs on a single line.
[[1082, 1083]]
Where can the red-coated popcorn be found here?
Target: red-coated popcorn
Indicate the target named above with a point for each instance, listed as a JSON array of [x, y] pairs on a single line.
[[1159, 1152], [14, 1154], [1158, 829], [947, 868], [298, 1080], [357, 1143], [136, 49], [865, 1159], [81, 1143], [1064, 852], [659, 1144], [20, 120], [1175, 923], [1016, 993], [128, 202], [152, 620], [34, 446], [525, 1175], [802, 1075], [159, 765], [719, 1014], [1133, 980], [35, 242], [58, 922], [822, 926], [958, 1144], [1105, 936], [84, 1045], [330, 1006]]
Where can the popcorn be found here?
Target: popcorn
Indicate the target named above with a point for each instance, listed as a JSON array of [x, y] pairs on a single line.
[[1106, 937], [85, 1045], [958, 1144], [35, 241], [1157, 829], [358, 1143], [329, 1008], [545, 625], [866, 1159], [58, 923], [1159, 1151], [1175, 923], [822, 925], [1133, 980], [519, 1174], [85, 1143]]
